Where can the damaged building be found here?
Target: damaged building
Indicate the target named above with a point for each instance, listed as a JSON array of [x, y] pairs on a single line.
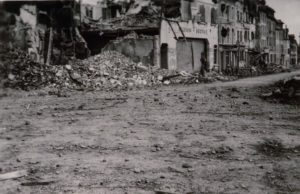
[[156, 32], [194, 35], [236, 34], [282, 45], [230, 35], [99, 10], [133, 31], [272, 37], [293, 50], [47, 30]]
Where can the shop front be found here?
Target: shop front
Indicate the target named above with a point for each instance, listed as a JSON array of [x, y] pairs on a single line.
[[232, 58], [183, 44]]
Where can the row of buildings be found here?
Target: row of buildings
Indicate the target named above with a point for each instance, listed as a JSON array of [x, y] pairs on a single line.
[[173, 34], [232, 34]]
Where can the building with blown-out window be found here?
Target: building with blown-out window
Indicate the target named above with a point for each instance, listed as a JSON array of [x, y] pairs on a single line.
[[193, 35]]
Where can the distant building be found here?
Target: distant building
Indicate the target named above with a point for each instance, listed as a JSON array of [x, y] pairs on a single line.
[[262, 30], [271, 34], [299, 52], [237, 28], [267, 33], [282, 45], [286, 48], [293, 50]]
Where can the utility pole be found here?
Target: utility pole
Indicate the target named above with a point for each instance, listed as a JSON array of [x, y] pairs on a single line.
[[218, 50], [50, 42], [239, 56], [80, 16]]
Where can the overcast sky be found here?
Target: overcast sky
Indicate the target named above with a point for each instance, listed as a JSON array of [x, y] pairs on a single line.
[[289, 12]]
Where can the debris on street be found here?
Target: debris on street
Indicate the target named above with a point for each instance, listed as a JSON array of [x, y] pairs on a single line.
[[270, 68], [286, 91], [275, 148], [149, 141], [13, 175], [37, 183], [20, 72]]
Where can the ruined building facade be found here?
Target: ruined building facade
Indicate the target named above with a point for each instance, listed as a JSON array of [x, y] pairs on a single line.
[[272, 39], [236, 34], [231, 35], [282, 45], [194, 35], [293, 50], [101, 9], [247, 34], [47, 30]]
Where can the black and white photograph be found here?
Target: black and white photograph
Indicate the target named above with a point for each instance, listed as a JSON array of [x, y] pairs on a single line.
[[149, 96]]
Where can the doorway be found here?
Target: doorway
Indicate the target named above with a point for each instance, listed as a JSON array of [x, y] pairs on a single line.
[[189, 54]]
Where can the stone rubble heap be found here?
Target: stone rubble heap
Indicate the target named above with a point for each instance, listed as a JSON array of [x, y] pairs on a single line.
[[17, 70], [106, 71], [269, 69]]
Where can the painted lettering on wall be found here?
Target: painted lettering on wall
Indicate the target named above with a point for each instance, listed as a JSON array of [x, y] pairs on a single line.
[[187, 31], [201, 31]]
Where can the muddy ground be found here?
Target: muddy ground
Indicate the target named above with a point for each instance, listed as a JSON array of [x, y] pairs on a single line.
[[215, 138]]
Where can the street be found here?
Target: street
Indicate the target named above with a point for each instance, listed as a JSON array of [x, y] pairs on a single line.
[[213, 138]]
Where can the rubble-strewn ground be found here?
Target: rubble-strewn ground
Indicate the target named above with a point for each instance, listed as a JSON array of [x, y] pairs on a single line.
[[215, 138]]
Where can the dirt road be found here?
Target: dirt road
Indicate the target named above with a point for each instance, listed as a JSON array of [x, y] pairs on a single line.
[[215, 138]]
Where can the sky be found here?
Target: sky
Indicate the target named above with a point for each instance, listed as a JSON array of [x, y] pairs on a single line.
[[289, 12]]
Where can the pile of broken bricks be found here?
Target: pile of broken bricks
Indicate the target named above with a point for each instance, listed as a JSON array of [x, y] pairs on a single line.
[[109, 70], [106, 70]]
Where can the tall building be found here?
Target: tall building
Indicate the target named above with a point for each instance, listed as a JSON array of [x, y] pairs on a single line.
[[266, 40], [236, 34], [299, 52], [271, 34], [293, 50], [282, 44], [191, 36], [286, 48], [279, 59]]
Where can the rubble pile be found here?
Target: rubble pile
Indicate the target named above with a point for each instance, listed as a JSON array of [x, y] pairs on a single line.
[[187, 78], [103, 71], [284, 91], [264, 69], [106, 71], [18, 70]]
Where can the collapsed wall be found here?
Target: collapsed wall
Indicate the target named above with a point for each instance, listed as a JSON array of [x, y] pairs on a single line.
[[138, 48], [47, 32], [11, 33]]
